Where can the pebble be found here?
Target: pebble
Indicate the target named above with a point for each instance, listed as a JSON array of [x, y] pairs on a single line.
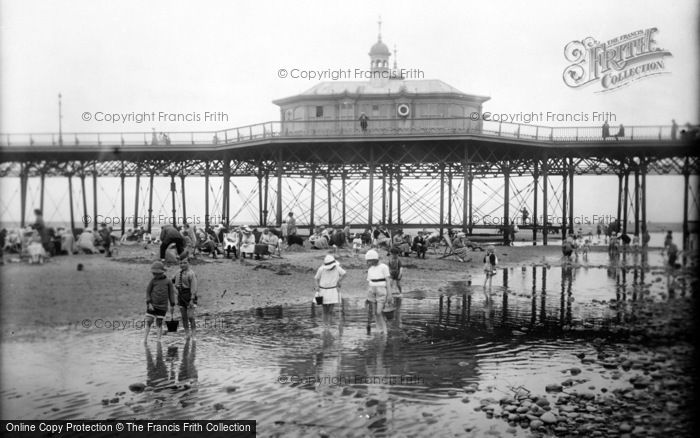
[[625, 427], [536, 424], [548, 418], [553, 387], [575, 371], [137, 387]]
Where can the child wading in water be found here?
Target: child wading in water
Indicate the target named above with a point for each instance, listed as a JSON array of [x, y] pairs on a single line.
[[379, 280], [395, 271], [328, 278], [159, 293], [490, 262], [186, 285]]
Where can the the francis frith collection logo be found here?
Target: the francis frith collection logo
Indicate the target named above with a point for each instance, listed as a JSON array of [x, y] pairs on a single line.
[[616, 62]]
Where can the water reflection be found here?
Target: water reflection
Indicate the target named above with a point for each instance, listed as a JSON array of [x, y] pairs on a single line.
[[523, 330]]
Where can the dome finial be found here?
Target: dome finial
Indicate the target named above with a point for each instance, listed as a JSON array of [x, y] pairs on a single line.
[[379, 37], [395, 58]]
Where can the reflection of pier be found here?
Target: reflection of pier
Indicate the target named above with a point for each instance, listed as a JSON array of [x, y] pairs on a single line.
[[449, 155], [547, 308]]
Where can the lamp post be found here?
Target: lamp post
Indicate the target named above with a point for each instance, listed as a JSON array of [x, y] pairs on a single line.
[[60, 117]]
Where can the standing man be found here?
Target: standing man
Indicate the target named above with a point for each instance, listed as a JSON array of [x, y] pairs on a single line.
[[169, 234], [363, 122], [526, 215]]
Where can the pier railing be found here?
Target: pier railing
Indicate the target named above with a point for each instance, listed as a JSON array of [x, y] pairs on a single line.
[[346, 128]]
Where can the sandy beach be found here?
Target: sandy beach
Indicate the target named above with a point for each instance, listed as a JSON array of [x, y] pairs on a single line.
[[58, 294]]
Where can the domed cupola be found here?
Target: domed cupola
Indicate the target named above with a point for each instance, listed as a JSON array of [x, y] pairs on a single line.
[[379, 61]]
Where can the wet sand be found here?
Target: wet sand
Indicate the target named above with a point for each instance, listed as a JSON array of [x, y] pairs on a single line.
[[646, 361], [56, 294]]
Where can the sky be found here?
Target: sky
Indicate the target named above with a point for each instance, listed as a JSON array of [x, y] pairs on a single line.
[[185, 57]]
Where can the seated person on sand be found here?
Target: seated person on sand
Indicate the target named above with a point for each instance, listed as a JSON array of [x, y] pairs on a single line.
[[13, 242], [420, 246], [380, 237], [189, 233], [271, 240], [247, 242], [459, 246], [263, 246], [36, 250], [86, 242], [129, 235], [318, 240], [400, 243], [67, 241], [231, 242], [208, 245]]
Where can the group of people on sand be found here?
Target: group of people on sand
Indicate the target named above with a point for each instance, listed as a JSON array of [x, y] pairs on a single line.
[[38, 243]]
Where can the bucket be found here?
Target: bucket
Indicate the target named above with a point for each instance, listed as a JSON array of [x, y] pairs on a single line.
[[319, 299], [172, 324], [388, 315]]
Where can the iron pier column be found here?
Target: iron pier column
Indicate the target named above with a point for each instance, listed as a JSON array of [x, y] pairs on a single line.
[[184, 207], [206, 195], [70, 200], [86, 220], [626, 191], [41, 200], [371, 185], [266, 198], [136, 197], [313, 199], [449, 196], [123, 216], [465, 192], [619, 200], [330, 198], [342, 188], [545, 187], [260, 196], [506, 203], [383, 195], [686, 180], [279, 189], [571, 195], [534, 206], [442, 197], [23, 193], [172, 195], [227, 189], [150, 200], [391, 195], [94, 196]]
